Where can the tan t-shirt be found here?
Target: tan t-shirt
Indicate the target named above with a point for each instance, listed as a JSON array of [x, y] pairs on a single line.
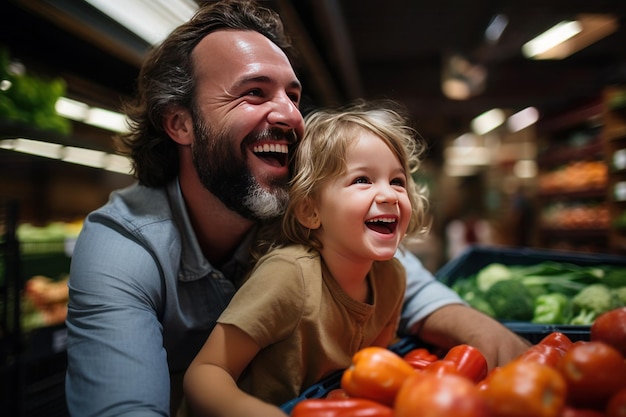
[[305, 323]]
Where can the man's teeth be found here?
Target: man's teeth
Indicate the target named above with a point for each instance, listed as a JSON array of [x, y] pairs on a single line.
[[383, 220], [280, 148]]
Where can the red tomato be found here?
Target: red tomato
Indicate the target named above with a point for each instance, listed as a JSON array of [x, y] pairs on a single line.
[[525, 389], [580, 412], [429, 395], [616, 406], [469, 361], [557, 340], [542, 353], [594, 371], [610, 328]]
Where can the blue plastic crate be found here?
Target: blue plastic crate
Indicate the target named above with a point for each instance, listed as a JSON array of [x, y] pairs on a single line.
[[477, 257]]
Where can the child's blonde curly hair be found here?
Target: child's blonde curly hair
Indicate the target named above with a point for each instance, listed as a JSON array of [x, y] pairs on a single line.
[[321, 156]]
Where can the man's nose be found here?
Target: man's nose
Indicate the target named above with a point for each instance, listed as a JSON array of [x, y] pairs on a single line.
[[285, 113]]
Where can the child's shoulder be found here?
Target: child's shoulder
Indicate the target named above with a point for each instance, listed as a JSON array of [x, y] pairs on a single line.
[[294, 251]]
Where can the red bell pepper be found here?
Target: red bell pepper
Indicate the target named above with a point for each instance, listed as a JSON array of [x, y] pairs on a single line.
[[350, 407], [469, 361], [420, 358]]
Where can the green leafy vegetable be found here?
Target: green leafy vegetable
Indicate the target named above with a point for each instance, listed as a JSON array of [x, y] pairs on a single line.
[[510, 300], [553, 308]]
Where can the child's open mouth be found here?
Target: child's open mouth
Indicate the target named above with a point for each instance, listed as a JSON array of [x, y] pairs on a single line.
[[385, 225]]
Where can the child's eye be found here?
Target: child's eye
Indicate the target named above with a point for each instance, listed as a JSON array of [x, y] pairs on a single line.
[[361, 180], [400, 182]]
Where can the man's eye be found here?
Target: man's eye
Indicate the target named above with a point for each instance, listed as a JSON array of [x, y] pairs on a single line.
[[257, 92], [294, 97]]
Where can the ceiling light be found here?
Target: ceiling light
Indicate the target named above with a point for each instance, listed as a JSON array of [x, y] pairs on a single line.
[[95, 116], [496, 28], [81, 156], [487, 121], [522, 119], [32, 147], [551, 38], [569, 37], [152, 20], [461, 79]]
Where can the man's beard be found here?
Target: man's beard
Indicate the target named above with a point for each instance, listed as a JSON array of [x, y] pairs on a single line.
[[226, 175]]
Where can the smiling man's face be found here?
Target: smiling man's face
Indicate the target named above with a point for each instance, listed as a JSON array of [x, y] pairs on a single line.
[[246, 118]]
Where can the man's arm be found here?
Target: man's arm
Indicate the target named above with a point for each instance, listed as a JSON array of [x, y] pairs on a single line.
[[116, 361], [438, 316]]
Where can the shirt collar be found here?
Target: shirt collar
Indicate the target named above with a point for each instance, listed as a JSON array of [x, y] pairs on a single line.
[[193, 264]]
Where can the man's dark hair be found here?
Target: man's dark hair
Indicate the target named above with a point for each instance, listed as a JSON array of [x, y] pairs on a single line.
[[167, 78]]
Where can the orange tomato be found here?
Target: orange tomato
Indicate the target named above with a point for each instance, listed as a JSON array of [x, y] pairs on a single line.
[[376, 373], [594, 371], [431, 395], [525, 389]]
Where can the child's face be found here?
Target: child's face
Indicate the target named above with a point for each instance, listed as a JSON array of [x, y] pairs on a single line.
[[365, 212]]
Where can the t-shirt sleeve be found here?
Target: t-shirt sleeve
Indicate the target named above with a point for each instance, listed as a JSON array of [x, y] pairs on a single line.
[[269, 304]]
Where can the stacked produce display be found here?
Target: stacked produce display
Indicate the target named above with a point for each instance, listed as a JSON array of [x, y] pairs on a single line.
[[553, 378]]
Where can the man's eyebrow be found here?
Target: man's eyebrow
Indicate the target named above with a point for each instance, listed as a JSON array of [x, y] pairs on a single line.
[[264, 79]]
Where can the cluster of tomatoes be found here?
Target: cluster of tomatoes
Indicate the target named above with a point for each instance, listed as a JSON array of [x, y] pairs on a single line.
[[554, 378]]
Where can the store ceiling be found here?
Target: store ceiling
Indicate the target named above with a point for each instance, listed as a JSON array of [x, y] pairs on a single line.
[[358, 48]]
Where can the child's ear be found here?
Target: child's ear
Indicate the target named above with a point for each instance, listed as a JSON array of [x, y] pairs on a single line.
[[307, 215]]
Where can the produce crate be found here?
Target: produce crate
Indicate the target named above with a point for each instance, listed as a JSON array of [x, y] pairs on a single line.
[[477, 257]]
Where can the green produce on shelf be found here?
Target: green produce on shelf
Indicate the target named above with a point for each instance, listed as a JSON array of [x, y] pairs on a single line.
[[545, 293], [510, 300], [30, 99], [552, 308]]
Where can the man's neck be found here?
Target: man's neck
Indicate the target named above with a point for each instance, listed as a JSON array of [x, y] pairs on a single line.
[[219, 231]]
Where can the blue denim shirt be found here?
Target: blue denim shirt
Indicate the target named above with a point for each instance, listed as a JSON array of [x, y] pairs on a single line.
[[143, 300]]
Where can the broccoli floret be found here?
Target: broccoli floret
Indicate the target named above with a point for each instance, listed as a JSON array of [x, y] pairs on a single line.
[[553, 308], [491, 274], [590, 302], [619, 297], [510, 300], [584, 318]]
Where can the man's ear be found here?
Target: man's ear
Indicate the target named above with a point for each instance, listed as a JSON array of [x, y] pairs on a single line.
[[307, 215], [178, 125]]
